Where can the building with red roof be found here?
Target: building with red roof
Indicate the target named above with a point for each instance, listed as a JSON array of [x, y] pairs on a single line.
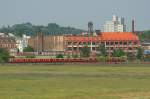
[[72, 44], [127, 41]]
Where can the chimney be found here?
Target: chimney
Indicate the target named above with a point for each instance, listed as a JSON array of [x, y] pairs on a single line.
[[133, 26]]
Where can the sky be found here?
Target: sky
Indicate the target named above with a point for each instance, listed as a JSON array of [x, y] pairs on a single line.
[[75, 13]]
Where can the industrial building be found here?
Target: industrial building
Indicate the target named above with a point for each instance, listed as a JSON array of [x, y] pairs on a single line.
[[115, 25], [127, 41]]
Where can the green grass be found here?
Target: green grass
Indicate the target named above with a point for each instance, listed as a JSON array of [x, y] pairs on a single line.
[[75, 81]]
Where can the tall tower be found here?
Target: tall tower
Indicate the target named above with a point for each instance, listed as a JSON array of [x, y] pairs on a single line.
[[133, 26], [90, 28]]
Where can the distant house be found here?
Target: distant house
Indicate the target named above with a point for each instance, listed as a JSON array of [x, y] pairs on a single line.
[[146, 46], [22, 42], [8, 43]]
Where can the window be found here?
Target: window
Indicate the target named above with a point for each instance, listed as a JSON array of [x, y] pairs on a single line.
[[93, 43], [135, 43], [84, 43], [130, 48], [116, 43], [75, 48], [80, 43], [125, 43], [130, 43], [120, 43], [69, 43], [107, 43], [112, 43], [93, 48], [74, 43]]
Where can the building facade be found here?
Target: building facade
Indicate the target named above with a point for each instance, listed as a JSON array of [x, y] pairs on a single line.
[[127, 41], [72, 44], [115, 25], [8, 43]]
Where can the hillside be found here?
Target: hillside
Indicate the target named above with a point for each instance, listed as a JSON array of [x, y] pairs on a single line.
[[29, 29]]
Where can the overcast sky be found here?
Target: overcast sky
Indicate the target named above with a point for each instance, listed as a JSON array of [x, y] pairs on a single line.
[[75, 13]]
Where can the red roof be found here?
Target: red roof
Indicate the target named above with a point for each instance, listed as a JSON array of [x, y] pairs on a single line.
[[82, 38], [105, 36], [119, 36]]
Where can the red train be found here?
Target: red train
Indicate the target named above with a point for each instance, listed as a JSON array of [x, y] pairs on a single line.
[[54, 60]]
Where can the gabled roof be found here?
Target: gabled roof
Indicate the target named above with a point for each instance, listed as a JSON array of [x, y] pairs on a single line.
[[119, 36]]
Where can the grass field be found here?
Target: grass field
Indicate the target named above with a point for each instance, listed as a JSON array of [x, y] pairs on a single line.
[[75, 81]]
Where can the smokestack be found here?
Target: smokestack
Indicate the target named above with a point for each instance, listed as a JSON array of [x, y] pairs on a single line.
[[133, 26], [90, 28]]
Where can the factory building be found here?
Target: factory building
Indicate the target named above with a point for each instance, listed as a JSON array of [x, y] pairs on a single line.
[[115, 25]]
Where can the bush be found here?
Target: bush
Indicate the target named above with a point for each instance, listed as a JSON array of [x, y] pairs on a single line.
[[59, 56], [118, 53], [28, 49], [147, 58], [75, 56], [101, 59], [85, 51], [68, 56], [4, 55], [31, 56]]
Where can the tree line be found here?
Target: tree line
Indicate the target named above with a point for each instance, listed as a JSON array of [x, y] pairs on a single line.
[[144, 35], [29, 29]]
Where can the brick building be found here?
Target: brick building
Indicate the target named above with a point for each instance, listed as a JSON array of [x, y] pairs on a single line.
[[8, 43], [41, 43]]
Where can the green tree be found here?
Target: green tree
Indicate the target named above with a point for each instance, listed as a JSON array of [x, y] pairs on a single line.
[[32, 30], [102, 50], [118, 53], [85, 51], [28, 49], [59, 56], [139, 53], [4, 55]]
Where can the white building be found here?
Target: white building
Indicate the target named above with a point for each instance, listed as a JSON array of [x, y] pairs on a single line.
[[22, 42], [115, 25]]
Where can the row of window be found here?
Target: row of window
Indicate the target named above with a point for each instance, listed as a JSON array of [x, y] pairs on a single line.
[[76, 48], [127, 48], [121, 43], [107, 43], [96, 48], [81, 43], [7, 45]]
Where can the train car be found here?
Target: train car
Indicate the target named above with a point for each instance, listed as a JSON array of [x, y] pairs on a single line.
[[52, 60]]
